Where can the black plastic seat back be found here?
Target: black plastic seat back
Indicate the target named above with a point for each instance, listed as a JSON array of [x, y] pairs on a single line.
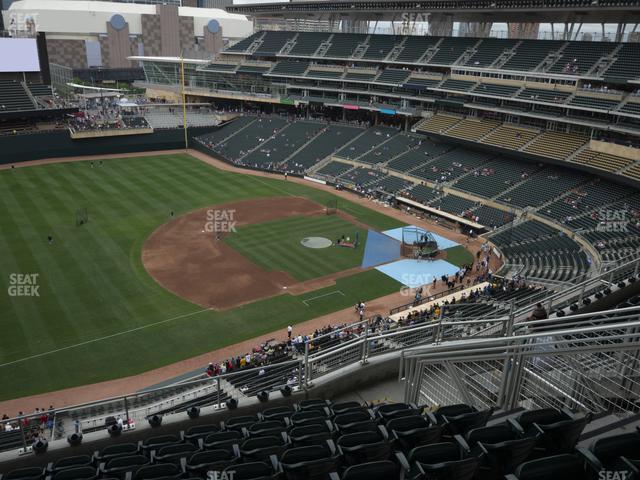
[[120, 450], [310, 435], [465, 469], [461, 424], [609, 449], [562, 437], [277, 413], [210, 460], [454, 410], [249, 471], [77, 473], [436, 453], [271, 427], [344, 407], [27, 473], [154, 443], [237, 423], [352, 417], [413, 431], [394, 410], [492, 434], [222, 440], [72, 462], [557, 466], [364, 447], [312, 404], [503, 457], [384, 470], [542, 416], [192, 434], [312, 462], [123, 464], [173, 453], [160, 470], [261, 448]]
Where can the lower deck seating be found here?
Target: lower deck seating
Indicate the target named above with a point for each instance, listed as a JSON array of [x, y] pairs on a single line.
[[542, 251], [334, 169]]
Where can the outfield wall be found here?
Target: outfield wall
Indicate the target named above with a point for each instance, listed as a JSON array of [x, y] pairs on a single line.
[[36, 146]]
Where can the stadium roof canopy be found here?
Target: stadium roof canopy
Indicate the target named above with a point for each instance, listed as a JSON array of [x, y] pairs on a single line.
[[534, 11], [90, 17]]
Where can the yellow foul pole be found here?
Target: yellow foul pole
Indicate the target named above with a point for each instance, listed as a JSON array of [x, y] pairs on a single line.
[[184, 103]]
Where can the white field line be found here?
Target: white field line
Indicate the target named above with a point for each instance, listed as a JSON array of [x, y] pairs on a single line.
[[315, 298]]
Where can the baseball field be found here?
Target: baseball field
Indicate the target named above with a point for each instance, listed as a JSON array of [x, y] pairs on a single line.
[[82, 306]]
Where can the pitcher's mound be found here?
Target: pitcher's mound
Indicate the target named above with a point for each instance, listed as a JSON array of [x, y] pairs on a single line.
[[316, 242]]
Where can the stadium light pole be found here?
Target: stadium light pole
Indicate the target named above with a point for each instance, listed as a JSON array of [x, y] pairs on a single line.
[[184, 103]]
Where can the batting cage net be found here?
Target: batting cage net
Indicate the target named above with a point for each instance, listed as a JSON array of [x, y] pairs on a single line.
[[418, 243]]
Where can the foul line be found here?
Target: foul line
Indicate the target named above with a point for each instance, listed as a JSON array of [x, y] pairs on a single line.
[[104, 338], [315, 298]]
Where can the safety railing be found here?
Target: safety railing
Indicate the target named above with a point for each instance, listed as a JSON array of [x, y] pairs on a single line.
[[587, 364]]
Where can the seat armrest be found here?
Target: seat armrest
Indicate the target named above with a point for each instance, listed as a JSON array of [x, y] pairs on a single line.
[[464, 446], [510, 476], [183, 464], [431, 417], [590, 458], [332, 447], [275, 464], [515, 426], [201, 443], [334, 476], [182, 435], [383, 431], [402, 460], [245, 432], [128, 476], [236, 450], [330, 426], [630, 465], [49, 467]]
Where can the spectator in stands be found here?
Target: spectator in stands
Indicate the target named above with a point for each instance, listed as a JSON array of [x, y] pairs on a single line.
[[539, 313]]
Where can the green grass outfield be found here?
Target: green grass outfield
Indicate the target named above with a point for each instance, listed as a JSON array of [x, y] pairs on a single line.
[[99, 315], [275, 245], [459, 256]]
